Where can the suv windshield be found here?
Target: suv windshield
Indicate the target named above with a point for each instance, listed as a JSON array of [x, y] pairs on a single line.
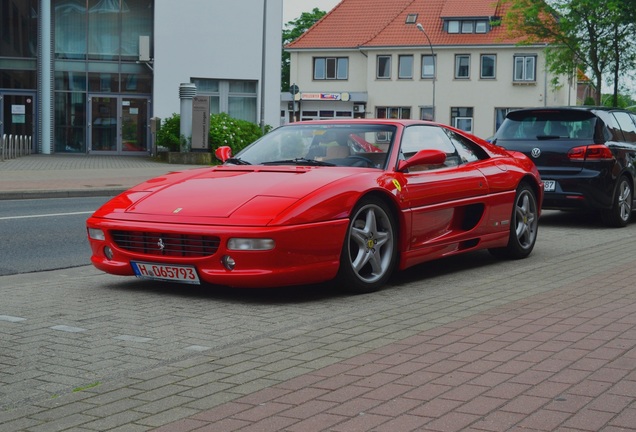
[[547, 124]]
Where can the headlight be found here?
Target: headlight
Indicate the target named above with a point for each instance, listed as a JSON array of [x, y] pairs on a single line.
[[96, 234], [250, 244]]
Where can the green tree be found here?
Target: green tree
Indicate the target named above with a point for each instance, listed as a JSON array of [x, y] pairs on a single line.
[[592, 35], [292, 30]]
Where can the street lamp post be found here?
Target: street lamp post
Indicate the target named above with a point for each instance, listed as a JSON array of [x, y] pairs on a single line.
[[420, 27]]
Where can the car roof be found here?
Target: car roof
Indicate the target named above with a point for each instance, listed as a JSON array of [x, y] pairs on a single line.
[[403, 122], [570, 108]]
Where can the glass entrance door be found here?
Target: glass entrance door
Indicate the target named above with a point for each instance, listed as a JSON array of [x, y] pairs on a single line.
[[118, 125], [134, 128], [17, 114]]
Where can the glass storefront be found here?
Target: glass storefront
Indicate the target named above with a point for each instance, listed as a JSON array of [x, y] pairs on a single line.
[[18, 64], [102, 92]]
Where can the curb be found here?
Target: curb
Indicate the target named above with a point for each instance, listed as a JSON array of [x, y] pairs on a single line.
[[71, 193]]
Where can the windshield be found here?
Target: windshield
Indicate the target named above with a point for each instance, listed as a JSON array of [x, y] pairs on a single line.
[[547, 124], [325, 144]]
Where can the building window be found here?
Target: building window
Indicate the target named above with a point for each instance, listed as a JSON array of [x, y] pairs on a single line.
[[384, 67], [488, 63], [481, 27], [524, 68], [462, 118], [428, 66], [393, 112], [500, 115], [19, 29], [236, 98], [405, 67], [427, 113], [466, 26], [411, 18], [331, 68], [462, 66]]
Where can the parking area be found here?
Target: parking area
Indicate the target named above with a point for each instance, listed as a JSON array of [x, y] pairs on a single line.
[[468, 343]]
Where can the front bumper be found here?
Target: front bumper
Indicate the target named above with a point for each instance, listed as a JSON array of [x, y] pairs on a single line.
[[302, 254]]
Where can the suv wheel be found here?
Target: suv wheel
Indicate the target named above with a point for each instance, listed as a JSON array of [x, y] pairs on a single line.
[[618, 216]]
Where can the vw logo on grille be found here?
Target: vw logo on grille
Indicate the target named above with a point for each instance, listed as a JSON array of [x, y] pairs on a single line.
[[536, 152], [161, 245]]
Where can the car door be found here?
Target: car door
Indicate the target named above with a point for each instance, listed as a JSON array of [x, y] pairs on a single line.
[[445, 201]]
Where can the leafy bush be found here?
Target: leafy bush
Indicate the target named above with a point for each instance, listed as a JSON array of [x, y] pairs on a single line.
[[224, 131], [168, 134], [228, 131]]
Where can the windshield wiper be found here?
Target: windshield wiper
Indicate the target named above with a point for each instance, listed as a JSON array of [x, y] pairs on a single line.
[[299, 161], [547, 137], [237, 161]]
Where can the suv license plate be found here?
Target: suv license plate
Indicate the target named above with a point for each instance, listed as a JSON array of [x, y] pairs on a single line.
[[549, 185], [175, 273]]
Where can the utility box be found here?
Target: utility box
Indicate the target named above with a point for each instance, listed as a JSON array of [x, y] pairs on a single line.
[[144, 48]]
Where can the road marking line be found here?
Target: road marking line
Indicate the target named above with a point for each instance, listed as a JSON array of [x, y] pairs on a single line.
[[68, 329], [45, 215], [11, 318]]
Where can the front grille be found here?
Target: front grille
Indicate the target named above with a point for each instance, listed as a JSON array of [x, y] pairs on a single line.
[[162, 244]]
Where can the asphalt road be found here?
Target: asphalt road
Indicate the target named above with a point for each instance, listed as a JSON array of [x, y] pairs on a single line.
[[44, 234]]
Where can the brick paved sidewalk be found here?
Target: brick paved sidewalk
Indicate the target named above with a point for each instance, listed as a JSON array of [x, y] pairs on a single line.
[[39, 176], [564, 360]]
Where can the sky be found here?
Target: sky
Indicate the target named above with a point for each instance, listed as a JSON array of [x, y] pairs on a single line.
[[292, 9]]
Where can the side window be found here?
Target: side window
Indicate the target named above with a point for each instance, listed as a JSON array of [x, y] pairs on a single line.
[[418, 138], [611, 126], [466, 149], [627, 125]]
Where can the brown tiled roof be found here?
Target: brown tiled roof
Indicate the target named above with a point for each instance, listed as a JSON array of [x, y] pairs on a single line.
[[382, 23]]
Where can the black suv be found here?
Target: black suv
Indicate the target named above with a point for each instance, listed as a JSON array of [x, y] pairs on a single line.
[[585, 155]]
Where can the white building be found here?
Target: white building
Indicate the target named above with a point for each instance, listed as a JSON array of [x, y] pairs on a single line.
[[86, 76], [450, 60]]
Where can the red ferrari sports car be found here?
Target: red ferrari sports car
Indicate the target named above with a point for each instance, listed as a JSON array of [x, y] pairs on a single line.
[[350, 200]]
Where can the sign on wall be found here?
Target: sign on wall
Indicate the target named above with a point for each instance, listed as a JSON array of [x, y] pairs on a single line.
[[200, 123]]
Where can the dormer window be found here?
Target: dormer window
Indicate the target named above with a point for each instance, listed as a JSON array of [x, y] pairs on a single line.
[[411, 18], [466, 25]]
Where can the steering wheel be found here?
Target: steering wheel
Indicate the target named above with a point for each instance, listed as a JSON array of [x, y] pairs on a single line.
[[361, 161]]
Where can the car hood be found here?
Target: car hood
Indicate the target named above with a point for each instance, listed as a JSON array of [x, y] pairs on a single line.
[[245, 194]]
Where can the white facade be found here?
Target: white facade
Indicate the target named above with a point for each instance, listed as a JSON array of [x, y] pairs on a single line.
[[217, 40], [487, 97]]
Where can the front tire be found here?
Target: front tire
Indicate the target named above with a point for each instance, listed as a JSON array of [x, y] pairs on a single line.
[[618, 216], [524, 225], [369, 251]]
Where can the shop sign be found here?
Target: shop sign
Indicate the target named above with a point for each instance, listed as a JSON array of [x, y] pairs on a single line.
[[325, 96]]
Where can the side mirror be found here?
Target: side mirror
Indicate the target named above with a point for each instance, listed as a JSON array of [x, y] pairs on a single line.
[[423, 157], [223, 153]]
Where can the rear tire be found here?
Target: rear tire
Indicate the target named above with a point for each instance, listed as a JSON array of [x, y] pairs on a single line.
[[524, 225], [369, 251], [618, 216]]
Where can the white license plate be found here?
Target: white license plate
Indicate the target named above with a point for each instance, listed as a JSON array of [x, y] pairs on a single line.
[[549, 185], [166, 272]]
